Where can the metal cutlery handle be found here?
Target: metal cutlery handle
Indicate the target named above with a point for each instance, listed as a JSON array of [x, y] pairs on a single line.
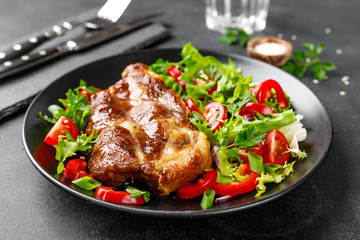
[[23, 48], [26, 62]]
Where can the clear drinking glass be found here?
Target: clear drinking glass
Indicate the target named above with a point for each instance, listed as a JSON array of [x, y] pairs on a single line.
[[248, 15]]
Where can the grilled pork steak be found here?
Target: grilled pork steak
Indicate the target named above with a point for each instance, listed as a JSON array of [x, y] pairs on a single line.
[[145, 135]]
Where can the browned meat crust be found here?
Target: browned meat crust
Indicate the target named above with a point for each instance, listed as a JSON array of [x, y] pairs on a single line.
[[145, 135]]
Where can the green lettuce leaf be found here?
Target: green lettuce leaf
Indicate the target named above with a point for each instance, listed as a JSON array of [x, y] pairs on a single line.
[[276, 177], [69, 147]]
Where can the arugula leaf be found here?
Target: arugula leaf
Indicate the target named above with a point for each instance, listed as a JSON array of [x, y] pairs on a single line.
[[76, 107], [199, 122], [160, 66], [235, 108], [302, 60], [195, 92], [83, 86], [135, 193], [69, 147], [276, 121]]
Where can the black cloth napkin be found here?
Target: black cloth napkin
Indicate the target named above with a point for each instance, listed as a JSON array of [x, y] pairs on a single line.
[[18, 91]]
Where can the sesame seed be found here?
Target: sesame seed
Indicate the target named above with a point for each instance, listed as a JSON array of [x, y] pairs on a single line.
[[327, 30], [280, 35], [42, 52], [345, 78], [25, 57], [57, 29], [346, 82], [326, 77], [17, 47], [315, 81], [294, 37], [33, 39], [342, 93], [339, 51], [308, 60]]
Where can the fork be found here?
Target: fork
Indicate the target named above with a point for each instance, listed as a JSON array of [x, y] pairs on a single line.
[[108, 14]]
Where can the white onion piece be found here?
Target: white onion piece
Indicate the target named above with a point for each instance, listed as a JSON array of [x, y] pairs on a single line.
[[224, 198]]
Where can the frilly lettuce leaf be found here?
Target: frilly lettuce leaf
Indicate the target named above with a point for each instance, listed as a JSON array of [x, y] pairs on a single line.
[[277, 177]]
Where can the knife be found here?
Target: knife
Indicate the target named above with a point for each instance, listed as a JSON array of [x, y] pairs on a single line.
[[89, 39]]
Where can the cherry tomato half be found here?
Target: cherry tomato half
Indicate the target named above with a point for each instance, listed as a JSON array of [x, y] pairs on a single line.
[[176, 73], [215, 111], [75, 169], [276, 148], [190, 104], [119, 197], [62, 125], [196, 189], [262, 92], [237, 188], [250, 110]]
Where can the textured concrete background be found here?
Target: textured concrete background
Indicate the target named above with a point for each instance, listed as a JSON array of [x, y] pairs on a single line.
[[325, 207]]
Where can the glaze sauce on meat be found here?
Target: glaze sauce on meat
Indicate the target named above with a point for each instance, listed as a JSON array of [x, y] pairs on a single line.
[[145, 135]]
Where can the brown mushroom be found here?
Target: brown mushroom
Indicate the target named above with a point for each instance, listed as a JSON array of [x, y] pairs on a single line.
[[273, 50]]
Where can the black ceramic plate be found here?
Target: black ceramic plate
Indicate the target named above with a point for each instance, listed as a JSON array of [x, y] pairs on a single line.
[[105, 72]]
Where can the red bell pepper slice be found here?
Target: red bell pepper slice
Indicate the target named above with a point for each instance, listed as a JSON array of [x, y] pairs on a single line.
[[196, 189], [250, 110], [190, 104], [108, 194], [262, 92], [174, 72], [237, 188], [75, 169]]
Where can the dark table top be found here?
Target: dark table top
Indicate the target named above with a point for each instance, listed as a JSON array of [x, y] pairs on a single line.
[[324, 207]]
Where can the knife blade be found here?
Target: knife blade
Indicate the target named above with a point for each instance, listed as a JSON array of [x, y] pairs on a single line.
[[88, 40]]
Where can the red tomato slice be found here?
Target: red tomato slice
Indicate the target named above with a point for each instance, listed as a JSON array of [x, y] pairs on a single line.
[[62, 125], [250, 110], [196, 189], [75, 169], [275, 148], [215, 111], [190, 104], [237, 188], [262, 92], [176, 73], [119, 197], [259, 151]]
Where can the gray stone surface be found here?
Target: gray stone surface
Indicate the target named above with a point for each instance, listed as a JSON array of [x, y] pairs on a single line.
[[325, 207]]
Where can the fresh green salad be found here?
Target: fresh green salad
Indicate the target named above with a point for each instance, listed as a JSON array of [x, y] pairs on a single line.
[[253, 131]]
